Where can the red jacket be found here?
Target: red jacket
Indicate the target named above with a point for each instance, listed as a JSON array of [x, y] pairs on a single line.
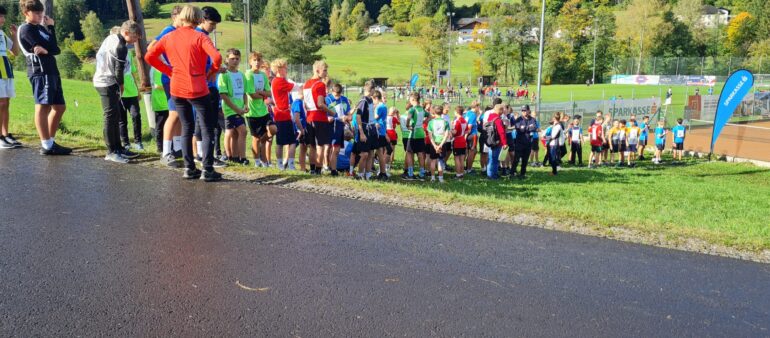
[[187, 51], [493, 117]]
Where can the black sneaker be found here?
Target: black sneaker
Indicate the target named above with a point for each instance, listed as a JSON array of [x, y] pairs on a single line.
[[334, 173], [177, 153], [59, 150], [198, 159], [211, 176], [191, 174], [244, 161], [12, 140], [5, 144], [128, 154], [382, 177], [218, 163]]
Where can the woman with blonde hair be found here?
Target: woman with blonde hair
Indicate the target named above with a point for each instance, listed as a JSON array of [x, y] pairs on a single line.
[[187, 51]]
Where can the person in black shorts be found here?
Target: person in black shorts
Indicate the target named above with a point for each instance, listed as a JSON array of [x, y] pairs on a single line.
[[367, 140]]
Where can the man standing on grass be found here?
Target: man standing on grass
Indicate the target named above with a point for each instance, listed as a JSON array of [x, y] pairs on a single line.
[[319, 116], [526, 127], [108, 81], [37, 40]]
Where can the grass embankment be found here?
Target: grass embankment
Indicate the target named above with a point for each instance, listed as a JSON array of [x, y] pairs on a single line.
[[720, 203]]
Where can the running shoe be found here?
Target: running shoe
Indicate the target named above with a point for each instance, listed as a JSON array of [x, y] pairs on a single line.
[[60, 150], [128, 154], [191, 174], [12, 140], [218, 163], [211, 176], [138, 146], [4, 144], [116, 157], [169, 160]]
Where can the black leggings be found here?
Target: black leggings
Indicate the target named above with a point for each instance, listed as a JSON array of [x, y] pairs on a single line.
[[111, 105], [160, 122], [207, 118], [130, 104], [554, 159], [576, 149]]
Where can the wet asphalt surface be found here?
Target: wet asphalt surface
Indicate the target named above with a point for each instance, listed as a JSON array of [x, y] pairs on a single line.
[[90, 248]]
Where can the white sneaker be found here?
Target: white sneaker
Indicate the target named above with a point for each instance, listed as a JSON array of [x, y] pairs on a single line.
[[115, 157], [433, 179], [440, 179], [257, 163]]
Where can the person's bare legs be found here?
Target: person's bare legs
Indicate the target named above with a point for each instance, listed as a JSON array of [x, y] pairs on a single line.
[[335, 151], [54, 118], [41, 121], [4, 115], [302, 156]]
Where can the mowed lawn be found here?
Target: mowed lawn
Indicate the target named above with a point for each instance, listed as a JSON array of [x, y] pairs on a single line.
[[718, 202]]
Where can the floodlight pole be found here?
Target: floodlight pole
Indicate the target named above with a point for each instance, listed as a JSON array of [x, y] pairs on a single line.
[[247, 20], [449, 71], [593, 75], [540, 57]]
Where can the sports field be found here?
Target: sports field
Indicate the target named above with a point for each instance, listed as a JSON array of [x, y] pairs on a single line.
[[706, 201]]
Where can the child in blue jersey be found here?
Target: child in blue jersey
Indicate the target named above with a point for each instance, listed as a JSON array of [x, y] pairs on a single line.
[[679, 134], [341, 105], [299, 117], [384, 148], [645, 128], [471, 117], [660, 141]]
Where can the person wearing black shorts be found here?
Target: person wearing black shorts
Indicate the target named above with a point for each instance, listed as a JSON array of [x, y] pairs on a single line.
[[367, 132]]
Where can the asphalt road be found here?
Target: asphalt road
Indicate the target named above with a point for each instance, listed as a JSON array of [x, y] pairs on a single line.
[[90, 248]]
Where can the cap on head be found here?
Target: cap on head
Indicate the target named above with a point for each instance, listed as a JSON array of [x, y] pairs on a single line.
[[525, 107]]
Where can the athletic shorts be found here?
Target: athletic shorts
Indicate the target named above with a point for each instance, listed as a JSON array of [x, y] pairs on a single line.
[[679, 146], [258, 125], [394, 142], [623, 148], [483, 141], [7, 89], [596, 149], [459, 151], [643, 142], [446, 148], [286, 133], [632, 148], [661, 147], [392, 135], [415, 146], [382, 141], [171, 104], [47, 89], [385, 144], [615, 147], [234, 121], [338, 133], [320, 133], [535, 145], [371, 139], [431, 151], [509, 141], [472, 142]]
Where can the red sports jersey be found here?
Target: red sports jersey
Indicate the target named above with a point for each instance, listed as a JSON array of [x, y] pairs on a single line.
[[596, 134], [313, 89], [281, 90], [390, 129], [460, 129]]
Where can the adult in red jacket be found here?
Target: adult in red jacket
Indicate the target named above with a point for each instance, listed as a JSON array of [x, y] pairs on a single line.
[[187, 51]]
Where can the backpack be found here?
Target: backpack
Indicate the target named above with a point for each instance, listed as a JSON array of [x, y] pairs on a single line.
[[493, 138]]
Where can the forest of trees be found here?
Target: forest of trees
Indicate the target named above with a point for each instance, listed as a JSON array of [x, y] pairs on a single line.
[[618, 29]]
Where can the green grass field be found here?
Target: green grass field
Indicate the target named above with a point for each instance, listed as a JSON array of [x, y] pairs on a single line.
[[717, 202]]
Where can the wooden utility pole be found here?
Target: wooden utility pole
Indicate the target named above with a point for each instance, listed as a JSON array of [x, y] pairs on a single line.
[[135, 14]]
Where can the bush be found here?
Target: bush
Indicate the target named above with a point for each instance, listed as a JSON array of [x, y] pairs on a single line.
[[69, 64], [83, 49], [401, 28], [20, 63], [416, 25], [84, 75], [150, 8]]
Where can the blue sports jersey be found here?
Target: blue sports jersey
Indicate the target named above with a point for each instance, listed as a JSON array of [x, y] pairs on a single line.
[[341, 106], [536, 135], [381, 114], [660, 136], [343, 159], [164, 79], [470, 117], [211, 84], [643, 135], [298, 106], [678, 132]]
